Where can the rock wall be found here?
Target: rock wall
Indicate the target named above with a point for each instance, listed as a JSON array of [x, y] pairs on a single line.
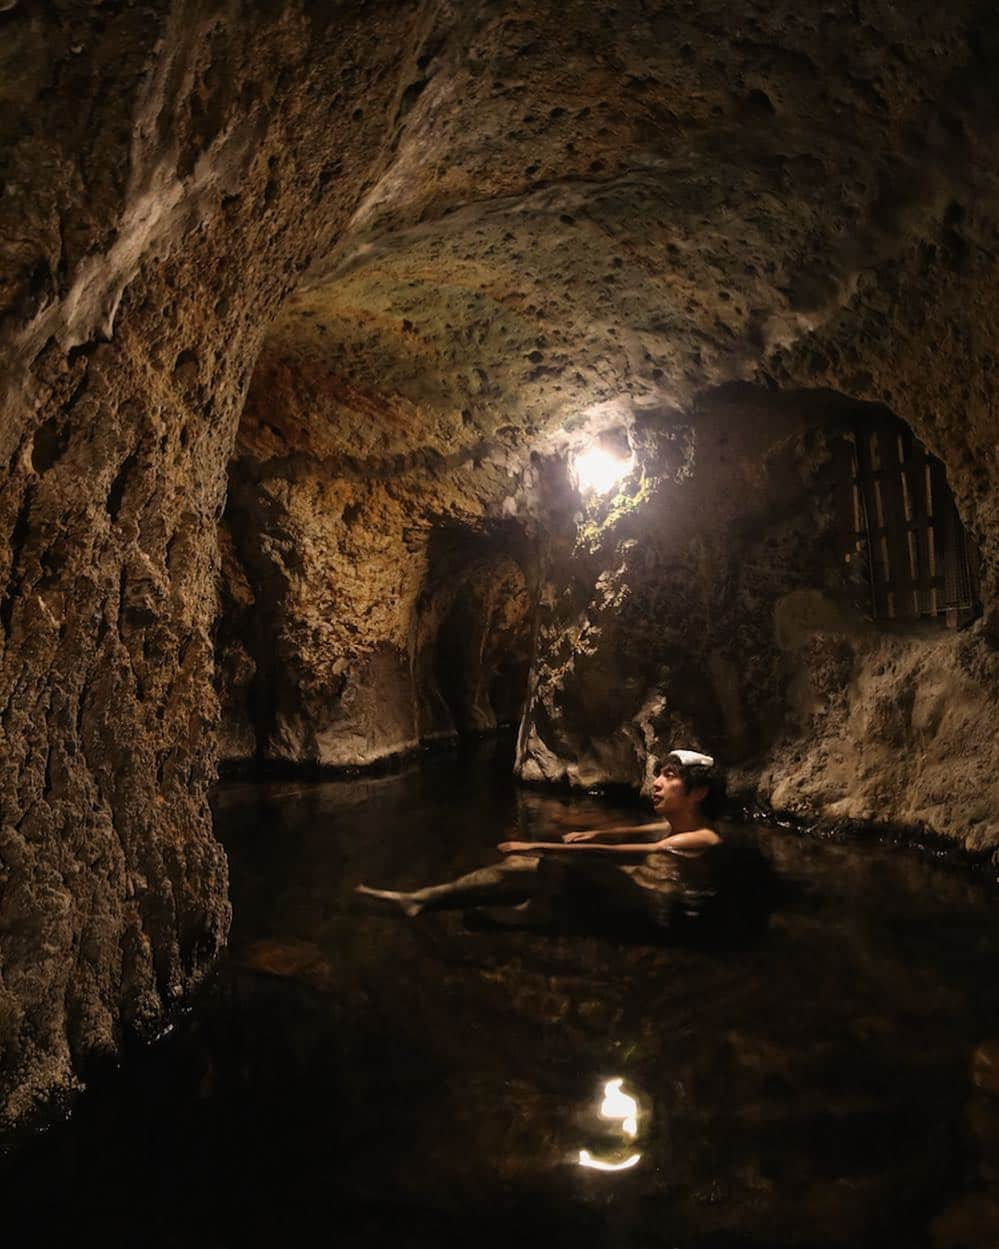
[[719, 605], [166, 178], [449, 244], [354, 564], [657, 624], [883, 729]]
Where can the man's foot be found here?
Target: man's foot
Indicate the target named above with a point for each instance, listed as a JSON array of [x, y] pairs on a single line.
[[404, 901]]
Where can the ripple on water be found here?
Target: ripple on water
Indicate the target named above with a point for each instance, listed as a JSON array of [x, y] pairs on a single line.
[[414, 1082]]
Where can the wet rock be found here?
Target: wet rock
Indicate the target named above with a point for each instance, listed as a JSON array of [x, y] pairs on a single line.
[[983, 1123], [908, 731], [295, 960], [985, 1067], [968, 1224]]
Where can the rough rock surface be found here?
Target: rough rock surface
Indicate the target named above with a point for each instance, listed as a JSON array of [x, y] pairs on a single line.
[[167, 174], [890, 729], [722, 611], [453, 242], [356, 565], [703, 197]]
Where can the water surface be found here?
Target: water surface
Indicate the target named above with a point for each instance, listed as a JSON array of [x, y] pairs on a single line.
[[356, 1078]]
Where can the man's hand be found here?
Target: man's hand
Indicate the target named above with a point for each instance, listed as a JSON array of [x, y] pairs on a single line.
[[514, 847], [580, 836]]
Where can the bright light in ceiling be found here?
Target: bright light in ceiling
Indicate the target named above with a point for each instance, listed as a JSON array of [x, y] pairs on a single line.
[[597, 471]]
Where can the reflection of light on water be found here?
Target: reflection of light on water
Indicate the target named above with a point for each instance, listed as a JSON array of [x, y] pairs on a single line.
[[618, 1105], [586, 1159]]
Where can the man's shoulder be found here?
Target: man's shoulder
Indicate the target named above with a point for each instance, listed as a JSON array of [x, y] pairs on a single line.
[[694, 841]]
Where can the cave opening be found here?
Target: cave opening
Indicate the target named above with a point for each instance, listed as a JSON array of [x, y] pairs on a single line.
[[482, 650], [356, 622]]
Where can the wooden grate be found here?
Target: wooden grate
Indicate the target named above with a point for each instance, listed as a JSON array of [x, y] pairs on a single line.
[[922, 563]]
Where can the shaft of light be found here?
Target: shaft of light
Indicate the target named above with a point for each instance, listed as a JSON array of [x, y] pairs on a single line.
[[586, 1159]]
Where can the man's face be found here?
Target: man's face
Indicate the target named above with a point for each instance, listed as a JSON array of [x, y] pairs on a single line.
[[668, 790]]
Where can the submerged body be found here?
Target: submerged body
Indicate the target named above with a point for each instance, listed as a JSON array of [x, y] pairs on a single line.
[[632, 871]]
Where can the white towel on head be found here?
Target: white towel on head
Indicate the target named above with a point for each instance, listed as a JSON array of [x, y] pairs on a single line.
[[688, 757]]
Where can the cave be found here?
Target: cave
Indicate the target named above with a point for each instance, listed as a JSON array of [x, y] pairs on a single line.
[[474, 639], [418, 421]]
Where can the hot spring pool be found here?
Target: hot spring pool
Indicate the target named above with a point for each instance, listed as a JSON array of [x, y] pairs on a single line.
[[351, 1077]]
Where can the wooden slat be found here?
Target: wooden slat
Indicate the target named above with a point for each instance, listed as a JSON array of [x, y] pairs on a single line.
[[921, 560], [893, 509], [865, 472], [944, 518], [929, 582], [844, 470], [910, 526]]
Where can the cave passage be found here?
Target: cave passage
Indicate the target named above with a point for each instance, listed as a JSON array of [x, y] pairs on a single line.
[[312, 317], [416, 1083], [476, 624]]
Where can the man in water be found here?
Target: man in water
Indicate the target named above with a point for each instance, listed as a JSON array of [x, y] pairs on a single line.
[[683, 794]]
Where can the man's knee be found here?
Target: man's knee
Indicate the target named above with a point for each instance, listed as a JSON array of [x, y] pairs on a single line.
[[519, 863]]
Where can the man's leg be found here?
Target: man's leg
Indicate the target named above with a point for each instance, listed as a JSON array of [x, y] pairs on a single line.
[[509, 882]]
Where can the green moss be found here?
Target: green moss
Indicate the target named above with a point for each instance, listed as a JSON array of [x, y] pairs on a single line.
[[603, 518]]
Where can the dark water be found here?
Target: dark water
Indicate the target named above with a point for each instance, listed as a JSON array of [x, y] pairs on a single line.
[[355, 1078]]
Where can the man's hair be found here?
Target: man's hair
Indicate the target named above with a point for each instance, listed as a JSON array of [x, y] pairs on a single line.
[[695, 775]]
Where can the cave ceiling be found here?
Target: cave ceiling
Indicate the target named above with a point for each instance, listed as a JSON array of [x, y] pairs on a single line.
[[591, 208]]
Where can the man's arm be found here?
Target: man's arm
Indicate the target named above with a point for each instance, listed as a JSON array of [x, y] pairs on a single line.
[[684, 844], [579, 847], [623, 832]]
